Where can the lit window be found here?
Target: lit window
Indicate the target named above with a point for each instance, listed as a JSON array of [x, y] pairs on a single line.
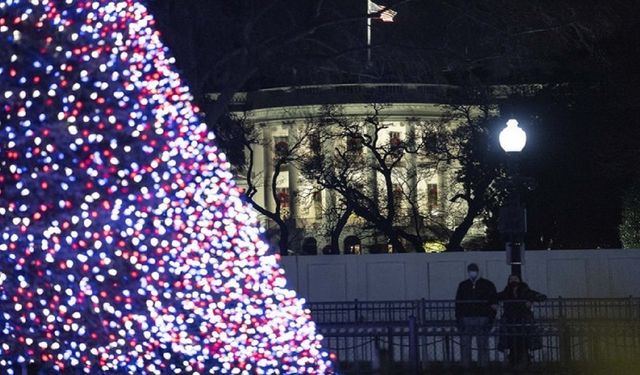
[[394, 139], [283, 197], [355, 249], [396, 144]]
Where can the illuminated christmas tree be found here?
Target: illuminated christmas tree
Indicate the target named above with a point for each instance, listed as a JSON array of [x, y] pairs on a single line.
[[124, 244]]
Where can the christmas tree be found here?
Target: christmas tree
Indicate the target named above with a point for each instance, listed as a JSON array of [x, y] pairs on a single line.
[[125, 246]]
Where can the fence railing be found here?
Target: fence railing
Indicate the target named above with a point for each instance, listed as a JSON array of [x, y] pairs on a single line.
[[388, 337]]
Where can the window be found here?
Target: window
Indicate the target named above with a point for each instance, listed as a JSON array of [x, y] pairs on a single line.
[[283, 196], [354, 145], [314, 143], [355, 249], [432, 198], [431, 142], [395, 143], [281, 147], [352, 245], [394, 139]]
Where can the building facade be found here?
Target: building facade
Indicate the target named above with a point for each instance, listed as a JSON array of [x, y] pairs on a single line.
[[285, 123]]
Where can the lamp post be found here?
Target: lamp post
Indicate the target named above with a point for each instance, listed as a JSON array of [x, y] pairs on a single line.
[[513, 222]]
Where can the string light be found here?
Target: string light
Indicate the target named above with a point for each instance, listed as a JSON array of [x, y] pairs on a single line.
[[125, 246]]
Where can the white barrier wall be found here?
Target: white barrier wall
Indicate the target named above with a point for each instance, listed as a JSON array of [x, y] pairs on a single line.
[[565, 273]]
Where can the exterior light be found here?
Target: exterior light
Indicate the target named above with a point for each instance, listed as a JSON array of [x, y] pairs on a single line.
[[513, 215], [513, 138]]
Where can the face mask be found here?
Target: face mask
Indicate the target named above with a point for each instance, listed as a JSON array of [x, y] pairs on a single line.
[[473, 275]]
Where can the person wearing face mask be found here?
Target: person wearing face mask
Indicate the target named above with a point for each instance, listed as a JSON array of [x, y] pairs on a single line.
[[476, 306], [517, 329]]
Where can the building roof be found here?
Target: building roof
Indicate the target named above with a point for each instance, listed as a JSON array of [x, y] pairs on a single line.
[[357, 93]]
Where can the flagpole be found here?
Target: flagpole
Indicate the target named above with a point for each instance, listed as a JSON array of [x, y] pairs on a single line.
[[368, 35], [382, 13]]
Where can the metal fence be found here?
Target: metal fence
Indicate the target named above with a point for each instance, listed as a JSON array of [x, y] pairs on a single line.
[[412, 337]]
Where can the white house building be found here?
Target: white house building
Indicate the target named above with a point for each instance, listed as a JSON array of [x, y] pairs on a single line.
[[284, 119]]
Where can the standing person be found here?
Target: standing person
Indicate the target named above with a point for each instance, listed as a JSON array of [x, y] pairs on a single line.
[[476, 306], [517, 334]]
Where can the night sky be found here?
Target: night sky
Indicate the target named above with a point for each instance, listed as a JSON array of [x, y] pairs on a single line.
[[583, 131]]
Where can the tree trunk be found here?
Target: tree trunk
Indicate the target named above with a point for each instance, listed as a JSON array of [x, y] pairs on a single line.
[[337, 230], [394, 240], [416, 241], [455, 241], [283, 241]]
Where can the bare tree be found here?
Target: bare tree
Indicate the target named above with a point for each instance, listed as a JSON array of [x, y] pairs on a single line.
[[240, 138], [472, 145], [362, 164], [378, 174], [335, 219]]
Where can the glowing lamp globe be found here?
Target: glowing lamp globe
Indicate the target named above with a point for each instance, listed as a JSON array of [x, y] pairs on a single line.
[[513, 138]]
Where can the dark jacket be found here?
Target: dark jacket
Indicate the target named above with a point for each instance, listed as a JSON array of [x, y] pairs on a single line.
[[481, 293], [519, 331], [515, 300]]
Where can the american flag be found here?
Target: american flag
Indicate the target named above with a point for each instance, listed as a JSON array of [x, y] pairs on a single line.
[[386, 15]]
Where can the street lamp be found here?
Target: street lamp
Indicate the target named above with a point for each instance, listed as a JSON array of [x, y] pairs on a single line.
[[513, 138], [513, 221]]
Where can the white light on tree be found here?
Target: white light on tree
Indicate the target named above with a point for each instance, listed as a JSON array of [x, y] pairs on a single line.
[[124, 241], [513, 138]]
